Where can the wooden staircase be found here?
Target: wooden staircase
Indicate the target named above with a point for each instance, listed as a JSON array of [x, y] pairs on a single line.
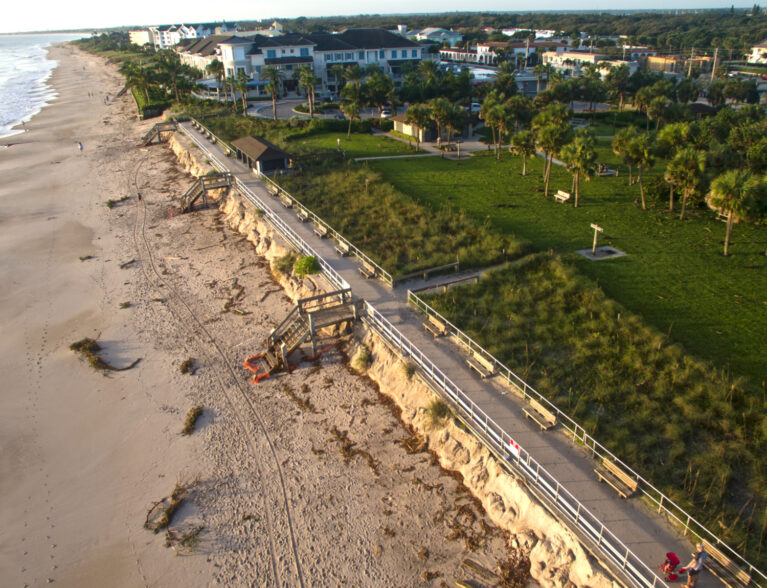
[[300, 325], [156, 132], [200, 189]]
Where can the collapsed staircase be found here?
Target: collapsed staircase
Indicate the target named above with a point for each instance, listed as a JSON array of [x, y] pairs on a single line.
[[201, 186], [156, 132], [309, 315]]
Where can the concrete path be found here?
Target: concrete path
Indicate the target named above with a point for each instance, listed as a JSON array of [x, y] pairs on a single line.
[[641, 529]]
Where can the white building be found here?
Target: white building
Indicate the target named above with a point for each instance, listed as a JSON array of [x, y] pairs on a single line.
[[322, 51], [571, 62], [758, 53], [435, 35], [166, 36]]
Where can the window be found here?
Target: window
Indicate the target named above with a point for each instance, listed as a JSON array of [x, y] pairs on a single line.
[[271, 54], [327, 56], [348, 56], [283, 52], [361, 55], [394, 54], [381, 54], [305, 52], [414, 53], [338, 56]]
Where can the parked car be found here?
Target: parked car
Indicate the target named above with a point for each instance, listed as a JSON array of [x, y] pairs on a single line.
[[475, 107], [340, 116], [386, 113]]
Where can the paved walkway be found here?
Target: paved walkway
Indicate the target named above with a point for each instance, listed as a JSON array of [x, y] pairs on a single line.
[[641, 529]]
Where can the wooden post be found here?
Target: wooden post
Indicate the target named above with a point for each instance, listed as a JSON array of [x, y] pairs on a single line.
[[311, 332], [597, 230]]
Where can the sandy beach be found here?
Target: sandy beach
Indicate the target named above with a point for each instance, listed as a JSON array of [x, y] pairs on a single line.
[[301, 480]]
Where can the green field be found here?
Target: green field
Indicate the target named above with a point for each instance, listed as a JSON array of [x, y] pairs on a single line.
[[674, 274], [357, 145]]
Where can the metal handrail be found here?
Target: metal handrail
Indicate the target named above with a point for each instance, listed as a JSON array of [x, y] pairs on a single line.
[[295, 240], [385, 276], [579, 434], [518, 458]]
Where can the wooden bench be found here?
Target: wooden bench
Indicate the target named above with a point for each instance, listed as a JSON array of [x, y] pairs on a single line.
[[561, 196], [482, 366], [435, 326], [343, 249], [541, 415], [623, 484], [302, 216], [286, 201], [724, 568], [721, 216], [321, 231], [273, 190], [367, 270]]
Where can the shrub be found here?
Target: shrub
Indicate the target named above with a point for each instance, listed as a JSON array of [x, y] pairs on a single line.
[[363, 358], [408, 369], [187, 366], [306, 265], [284, 263], [191, 420], [438, 412]]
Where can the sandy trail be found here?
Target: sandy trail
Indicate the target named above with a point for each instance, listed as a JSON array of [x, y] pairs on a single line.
[[301, 480]]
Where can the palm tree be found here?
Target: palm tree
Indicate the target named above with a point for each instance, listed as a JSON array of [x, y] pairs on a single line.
[[684, 171], [621, 142], [539, 71], [216, 68], [640, 150], [521, 108], [552, 131], [454, 121], [273, 78], [505, 81], [351, 105], [418, 116], [740, 195], [618, 83], [171, 69], [428, 72], [231, 81], [580, 157], [338, 72], [354, 74], [523, 144], [242, 85], [136, 77], [439, 109], [307, 80]]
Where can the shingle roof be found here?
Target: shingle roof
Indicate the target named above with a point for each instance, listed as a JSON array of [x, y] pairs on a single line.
[[375, 39], [259, 149], [330, 42], [207, 45]]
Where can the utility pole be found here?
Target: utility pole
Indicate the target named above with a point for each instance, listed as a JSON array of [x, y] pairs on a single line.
[[527, 52], [713, 68], [689, 66]]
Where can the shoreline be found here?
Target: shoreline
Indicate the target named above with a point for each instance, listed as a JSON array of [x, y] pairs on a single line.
[[48, 93]]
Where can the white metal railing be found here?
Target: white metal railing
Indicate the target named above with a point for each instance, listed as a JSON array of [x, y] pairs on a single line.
[[295, 240], [579, 435], [385, 276], [664, 503], [518, 458]]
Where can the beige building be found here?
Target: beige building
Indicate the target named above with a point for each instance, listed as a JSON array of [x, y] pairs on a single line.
[[140, 38], [758, 53]]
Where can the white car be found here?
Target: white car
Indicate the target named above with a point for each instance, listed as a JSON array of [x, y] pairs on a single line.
[[386, 113]]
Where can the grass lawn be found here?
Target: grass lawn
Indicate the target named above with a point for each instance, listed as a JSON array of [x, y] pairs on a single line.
[[357, 145], [674, 274]]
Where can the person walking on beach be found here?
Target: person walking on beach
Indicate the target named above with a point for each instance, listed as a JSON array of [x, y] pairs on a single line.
[[79, 146], [695, 566]]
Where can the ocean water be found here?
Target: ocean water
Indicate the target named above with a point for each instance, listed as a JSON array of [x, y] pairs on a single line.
[[24, 72]]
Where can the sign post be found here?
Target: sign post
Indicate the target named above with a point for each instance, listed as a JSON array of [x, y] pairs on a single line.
[[597, 230]]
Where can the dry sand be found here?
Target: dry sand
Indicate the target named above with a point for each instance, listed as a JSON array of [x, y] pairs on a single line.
[[282, 495]]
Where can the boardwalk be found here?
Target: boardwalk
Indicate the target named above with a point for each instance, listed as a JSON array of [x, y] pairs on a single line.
[[643, 531]]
